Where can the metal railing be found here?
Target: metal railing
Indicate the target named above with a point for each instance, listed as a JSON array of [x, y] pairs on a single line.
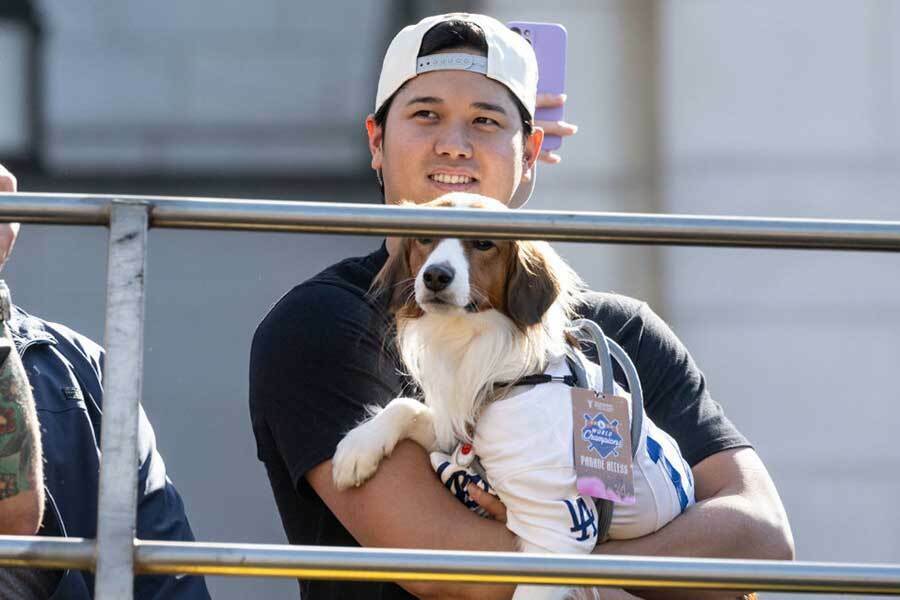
[[116, 555], [367, 219]]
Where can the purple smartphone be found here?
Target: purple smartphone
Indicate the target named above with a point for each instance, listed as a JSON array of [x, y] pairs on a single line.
[[549, 43]]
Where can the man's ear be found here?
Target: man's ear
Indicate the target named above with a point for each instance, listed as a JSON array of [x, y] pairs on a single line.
[[376, 141], [533, 286], [532, 149]]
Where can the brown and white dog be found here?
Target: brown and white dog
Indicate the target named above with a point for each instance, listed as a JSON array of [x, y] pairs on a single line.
[[473, 314], [470, 314]]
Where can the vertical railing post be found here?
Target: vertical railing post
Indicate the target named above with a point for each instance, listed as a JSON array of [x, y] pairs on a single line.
[[117, 505]]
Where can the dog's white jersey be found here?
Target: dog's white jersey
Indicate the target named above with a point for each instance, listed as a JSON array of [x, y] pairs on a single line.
[[524, 443]]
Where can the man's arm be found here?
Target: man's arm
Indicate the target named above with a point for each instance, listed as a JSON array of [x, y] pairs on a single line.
[[21, 474], [738, 515], [738, 511], [318, 360], [405, 506]]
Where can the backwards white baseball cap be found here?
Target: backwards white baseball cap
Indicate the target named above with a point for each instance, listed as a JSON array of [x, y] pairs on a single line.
[[510, 60]]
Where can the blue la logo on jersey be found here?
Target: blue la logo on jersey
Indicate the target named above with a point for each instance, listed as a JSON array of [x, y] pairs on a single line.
[[602, 435], [584, 520]]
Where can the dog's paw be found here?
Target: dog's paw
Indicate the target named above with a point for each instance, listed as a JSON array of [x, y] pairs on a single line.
[[358, 455]]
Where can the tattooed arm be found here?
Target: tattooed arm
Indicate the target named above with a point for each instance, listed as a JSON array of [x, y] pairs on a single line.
[[21, 473]]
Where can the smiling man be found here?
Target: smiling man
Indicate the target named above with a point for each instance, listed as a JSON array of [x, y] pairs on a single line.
[[453, 131], [454, 112]]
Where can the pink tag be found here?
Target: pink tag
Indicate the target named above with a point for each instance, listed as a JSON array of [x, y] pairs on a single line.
[[601, 439]]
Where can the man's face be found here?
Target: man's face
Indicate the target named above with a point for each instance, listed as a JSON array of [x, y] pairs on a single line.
[[451, 131]]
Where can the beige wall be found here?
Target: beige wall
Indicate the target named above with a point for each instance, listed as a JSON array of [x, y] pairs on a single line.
[[790, 109], [771, 109]]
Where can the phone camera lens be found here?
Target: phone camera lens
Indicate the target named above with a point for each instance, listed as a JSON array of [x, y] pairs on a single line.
[[517, 30]]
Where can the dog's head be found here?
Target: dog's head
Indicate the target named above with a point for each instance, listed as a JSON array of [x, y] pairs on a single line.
[[444, 275]]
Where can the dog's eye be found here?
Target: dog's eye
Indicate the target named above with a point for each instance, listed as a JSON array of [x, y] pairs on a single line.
[[482, 245], [425, 241]]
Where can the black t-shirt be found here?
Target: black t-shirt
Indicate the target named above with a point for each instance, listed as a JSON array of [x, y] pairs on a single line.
[[320, 357]]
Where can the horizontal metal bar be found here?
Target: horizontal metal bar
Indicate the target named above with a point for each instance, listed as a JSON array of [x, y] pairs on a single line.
[[366, 219], [59, 209], [363, 564], [37, 552]]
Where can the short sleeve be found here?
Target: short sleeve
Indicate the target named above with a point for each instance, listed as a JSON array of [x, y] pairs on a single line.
[[318, 360], [675, 390]]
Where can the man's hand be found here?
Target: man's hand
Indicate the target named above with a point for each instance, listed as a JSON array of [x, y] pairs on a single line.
[[489, 503], [560, 128]]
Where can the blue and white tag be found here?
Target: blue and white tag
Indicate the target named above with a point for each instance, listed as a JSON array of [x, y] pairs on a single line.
[[601, 441]]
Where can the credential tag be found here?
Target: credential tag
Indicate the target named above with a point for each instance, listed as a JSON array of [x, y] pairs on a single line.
[[601, 439]]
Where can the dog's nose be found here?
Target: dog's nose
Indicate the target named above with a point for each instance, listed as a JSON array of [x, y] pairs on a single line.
[[438, 277]]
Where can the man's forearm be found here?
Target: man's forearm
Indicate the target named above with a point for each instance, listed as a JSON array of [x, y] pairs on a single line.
[[718, 527], [21, 473], [721, 527], [739, 515], [405, 505]]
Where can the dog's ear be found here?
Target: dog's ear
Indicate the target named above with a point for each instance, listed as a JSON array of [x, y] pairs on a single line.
[[533, 285], [393, 283]]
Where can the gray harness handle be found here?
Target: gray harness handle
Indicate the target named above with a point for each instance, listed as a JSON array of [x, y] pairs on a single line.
[[586, 330]]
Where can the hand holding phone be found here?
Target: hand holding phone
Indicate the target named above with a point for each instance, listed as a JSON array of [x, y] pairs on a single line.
[[549, 41]]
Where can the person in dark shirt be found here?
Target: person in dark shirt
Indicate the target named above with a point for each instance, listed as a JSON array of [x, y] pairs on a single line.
[[319, 358], [51, 409]]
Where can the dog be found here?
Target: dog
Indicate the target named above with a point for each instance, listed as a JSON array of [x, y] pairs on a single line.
[[472, 318]]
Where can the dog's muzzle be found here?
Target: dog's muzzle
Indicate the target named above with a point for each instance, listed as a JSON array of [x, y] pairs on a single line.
[[438, 277]]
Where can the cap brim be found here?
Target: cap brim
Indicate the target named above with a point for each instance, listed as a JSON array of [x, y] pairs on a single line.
[[523, 192]]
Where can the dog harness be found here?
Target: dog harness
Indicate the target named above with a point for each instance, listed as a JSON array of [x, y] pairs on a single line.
[[588, 331], [520, 446]]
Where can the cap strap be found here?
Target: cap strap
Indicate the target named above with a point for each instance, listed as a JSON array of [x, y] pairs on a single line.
[[451, 62]]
